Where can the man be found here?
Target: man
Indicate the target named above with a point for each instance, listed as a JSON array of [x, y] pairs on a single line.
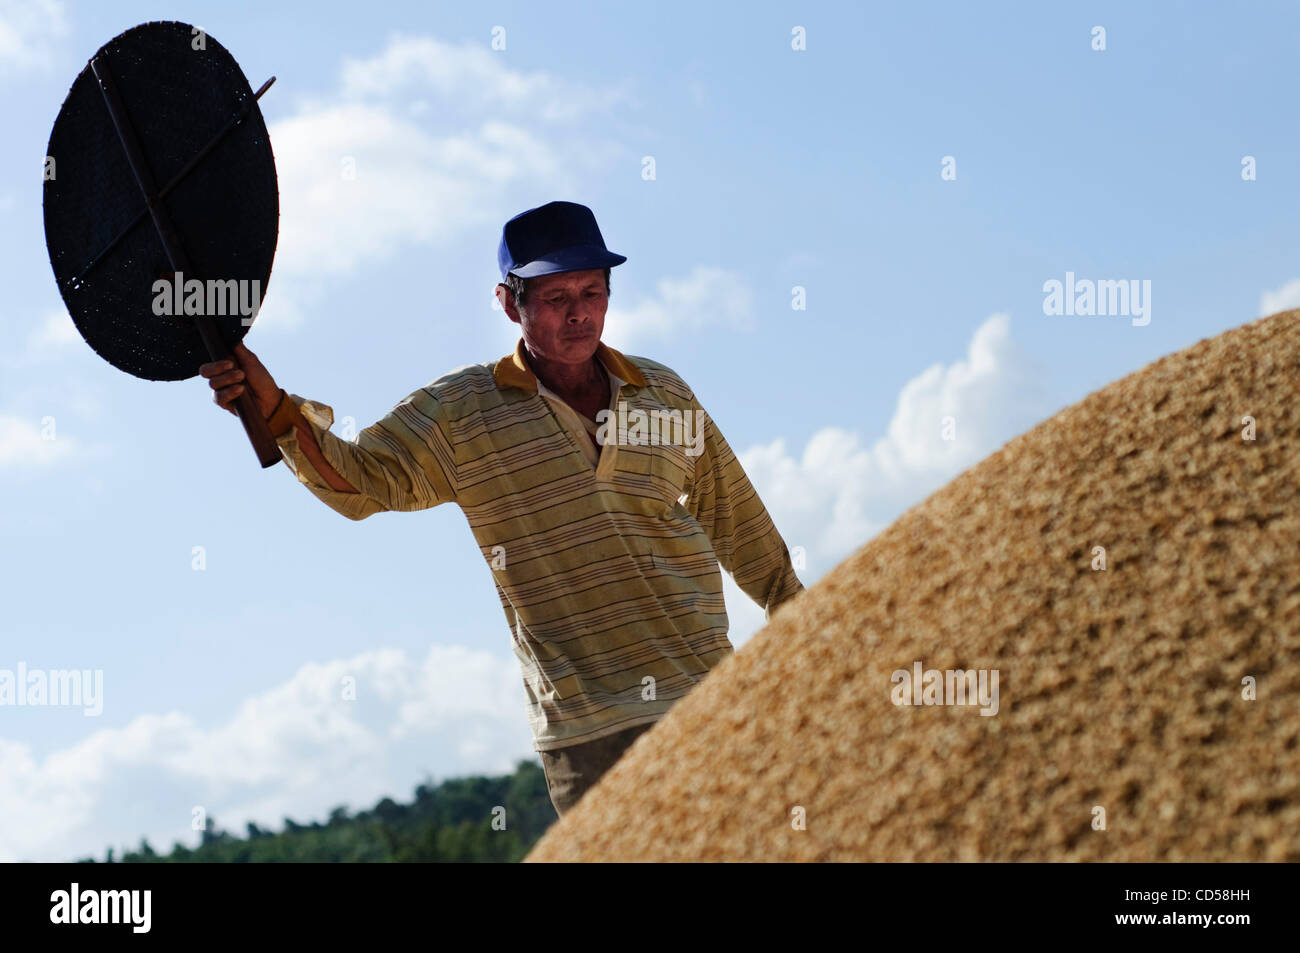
[[601, 495]]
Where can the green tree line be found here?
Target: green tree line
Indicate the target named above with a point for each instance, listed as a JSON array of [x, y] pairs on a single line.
[[461, 820]]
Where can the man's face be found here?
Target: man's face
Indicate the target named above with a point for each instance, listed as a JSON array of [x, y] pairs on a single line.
[[563, 316]]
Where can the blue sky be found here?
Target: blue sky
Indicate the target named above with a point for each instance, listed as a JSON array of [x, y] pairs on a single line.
[[774, 168]]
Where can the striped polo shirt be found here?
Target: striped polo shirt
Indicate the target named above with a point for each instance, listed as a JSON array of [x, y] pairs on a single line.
[[607, 573]]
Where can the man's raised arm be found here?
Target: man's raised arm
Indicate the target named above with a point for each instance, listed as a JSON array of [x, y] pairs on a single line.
[[401, 462]]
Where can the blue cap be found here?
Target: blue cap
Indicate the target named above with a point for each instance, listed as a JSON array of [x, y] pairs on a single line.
[[549, 239]]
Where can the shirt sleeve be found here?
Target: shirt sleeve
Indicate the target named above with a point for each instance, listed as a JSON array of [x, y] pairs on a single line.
[[403, 461], [745, 539]]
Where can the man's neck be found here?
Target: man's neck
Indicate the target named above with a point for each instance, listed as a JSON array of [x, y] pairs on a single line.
[[570, 381]]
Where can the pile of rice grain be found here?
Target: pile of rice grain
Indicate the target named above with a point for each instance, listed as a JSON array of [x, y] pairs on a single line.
[[1120, 689]]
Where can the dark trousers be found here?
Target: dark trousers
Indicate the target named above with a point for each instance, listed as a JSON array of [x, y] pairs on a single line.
[[571, 771]]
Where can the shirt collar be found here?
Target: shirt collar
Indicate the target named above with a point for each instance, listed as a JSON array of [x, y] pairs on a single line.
[[513, 370]]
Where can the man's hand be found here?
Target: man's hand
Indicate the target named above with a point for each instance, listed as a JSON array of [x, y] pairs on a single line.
[[229, 379]]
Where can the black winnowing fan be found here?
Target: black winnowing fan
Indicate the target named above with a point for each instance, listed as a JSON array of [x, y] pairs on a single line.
[[160, 163]]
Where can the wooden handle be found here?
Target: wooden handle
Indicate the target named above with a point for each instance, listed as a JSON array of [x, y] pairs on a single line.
[[259, 434], [268, 451]]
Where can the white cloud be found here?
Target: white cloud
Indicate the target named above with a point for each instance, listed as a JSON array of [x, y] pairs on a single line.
[[54, 335], [841, 490], [39, 438], [408, 187], [469, 77], [297, 751], [28, 32], [1283, 299], [23, 443], [50, 337], [707, 296], [403, 156]]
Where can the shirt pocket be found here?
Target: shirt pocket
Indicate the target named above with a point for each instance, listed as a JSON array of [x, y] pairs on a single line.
[[661, 473], [655, 451]]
